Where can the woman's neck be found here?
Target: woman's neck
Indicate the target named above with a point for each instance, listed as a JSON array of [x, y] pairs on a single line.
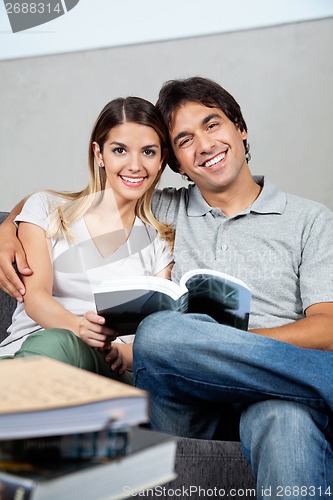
[[112, 212]]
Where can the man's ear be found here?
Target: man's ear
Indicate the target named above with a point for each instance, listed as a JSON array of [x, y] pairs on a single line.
[[243, 134], [176, 166], [179, 168]]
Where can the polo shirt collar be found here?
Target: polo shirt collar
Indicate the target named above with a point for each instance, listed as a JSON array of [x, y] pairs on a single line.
[[270, 200], [197, 205]]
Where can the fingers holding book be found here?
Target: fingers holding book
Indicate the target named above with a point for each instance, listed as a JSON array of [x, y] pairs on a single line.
[[93, 332]]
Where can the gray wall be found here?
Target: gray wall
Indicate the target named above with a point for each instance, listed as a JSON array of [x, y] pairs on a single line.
[[281, 76]]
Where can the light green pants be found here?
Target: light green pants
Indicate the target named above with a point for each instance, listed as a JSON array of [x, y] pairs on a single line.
[[63, 345]]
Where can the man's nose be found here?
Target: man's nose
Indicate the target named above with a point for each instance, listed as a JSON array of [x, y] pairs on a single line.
[[205, 143]]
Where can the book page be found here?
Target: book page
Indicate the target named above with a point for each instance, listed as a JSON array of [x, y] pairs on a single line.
[[212, 272], [38, 383], [224, 298], [119, 284]]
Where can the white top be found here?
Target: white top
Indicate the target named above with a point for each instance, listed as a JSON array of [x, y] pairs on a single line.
[[79, 267]]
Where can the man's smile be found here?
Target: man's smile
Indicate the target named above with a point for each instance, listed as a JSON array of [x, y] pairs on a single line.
[[213, 161]]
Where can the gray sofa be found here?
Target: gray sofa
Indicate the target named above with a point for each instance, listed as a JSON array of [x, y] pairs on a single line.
[[217, 466]]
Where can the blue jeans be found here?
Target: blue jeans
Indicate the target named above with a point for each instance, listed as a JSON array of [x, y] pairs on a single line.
[[289, 447], [191, 365]]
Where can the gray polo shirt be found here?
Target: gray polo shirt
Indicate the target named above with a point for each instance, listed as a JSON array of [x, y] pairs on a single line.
[[281, 246]]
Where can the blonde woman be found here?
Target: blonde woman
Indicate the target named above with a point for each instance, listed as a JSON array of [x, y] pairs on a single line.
[[75, 240]]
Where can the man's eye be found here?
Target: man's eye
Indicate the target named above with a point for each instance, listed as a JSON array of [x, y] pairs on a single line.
[[212, 125], [184, 142], [119, 151]]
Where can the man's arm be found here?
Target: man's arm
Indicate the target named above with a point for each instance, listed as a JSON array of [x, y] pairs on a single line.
[[11, 251], [315, 331]]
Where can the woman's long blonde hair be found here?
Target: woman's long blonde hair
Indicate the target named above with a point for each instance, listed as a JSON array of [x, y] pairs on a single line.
[[116, 112]]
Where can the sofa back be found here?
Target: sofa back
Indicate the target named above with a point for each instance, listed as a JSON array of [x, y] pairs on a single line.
[[7, 303]]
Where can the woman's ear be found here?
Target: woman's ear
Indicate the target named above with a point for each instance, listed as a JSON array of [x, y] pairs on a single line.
[[98, 154]]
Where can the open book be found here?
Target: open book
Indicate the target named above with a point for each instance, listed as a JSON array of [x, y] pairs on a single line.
[[125, 302]]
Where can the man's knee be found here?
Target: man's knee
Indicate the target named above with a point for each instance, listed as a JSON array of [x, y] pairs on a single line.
[[156, 329], [160, 320]]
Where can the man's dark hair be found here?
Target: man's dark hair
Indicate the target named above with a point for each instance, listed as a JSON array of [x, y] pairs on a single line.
[[175, 93]]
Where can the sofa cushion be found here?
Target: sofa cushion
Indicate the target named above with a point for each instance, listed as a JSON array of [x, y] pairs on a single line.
[[207, 469], [7, 304]]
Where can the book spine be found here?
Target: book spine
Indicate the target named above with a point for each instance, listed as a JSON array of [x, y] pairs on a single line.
[[14, 487], [108, 443]]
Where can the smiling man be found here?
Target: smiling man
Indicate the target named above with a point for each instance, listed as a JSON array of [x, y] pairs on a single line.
[[276, 375], [210, 150]]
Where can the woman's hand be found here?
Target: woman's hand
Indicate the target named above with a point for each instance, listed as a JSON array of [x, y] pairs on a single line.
[[116, 359], [93, 332]]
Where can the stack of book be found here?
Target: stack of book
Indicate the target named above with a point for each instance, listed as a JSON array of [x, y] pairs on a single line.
[[66, 433]]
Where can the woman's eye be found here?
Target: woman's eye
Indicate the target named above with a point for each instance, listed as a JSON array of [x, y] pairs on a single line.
[[119, 151], [149, 152]]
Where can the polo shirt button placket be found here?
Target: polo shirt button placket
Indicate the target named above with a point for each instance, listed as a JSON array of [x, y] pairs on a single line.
[[226, 228], [223, 226]]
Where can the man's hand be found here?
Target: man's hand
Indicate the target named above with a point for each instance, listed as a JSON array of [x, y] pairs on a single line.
[[11, 251], [93, 332]]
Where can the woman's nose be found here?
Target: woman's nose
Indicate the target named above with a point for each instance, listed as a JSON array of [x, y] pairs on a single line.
[[134, 164]]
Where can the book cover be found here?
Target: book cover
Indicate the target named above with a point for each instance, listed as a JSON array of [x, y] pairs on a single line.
[[43, 397], [125, 302], [106, 443], [150, 462]]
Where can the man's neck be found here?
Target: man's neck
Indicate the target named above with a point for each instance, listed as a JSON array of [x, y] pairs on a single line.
[[236, 198]]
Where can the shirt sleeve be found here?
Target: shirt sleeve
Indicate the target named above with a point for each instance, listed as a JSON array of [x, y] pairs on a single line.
[[163, 255], [165, 204], [36, 211], [316, 269]]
